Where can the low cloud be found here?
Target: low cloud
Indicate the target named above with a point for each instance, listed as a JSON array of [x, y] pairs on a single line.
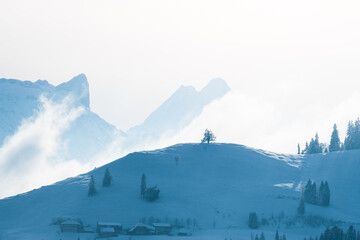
[[33, 156]]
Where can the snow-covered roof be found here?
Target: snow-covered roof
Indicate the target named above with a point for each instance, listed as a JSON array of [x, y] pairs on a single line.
[[107, 230], [161, 225], [70, 222], [109, 224], [142, 225]]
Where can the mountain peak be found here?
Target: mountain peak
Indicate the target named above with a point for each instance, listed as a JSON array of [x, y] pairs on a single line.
[[216, 88], [78, 85]]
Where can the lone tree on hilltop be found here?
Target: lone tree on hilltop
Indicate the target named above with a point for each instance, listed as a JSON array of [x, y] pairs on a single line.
[[208, 137]]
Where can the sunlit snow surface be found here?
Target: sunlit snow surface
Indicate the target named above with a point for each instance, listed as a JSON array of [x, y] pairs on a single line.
[[216, 184]]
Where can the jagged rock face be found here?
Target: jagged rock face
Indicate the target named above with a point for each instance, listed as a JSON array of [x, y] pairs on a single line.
[[178, 111], [20, 100]]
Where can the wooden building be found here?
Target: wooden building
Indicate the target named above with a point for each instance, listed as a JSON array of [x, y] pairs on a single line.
[[70, 226], [107, 232], [162, 228], [116, 226], [142, 229]]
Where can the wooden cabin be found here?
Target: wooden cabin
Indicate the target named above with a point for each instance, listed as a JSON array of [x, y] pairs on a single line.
[[142, 229], [70, 226], [107, 232], [162, 228], [116, 226]]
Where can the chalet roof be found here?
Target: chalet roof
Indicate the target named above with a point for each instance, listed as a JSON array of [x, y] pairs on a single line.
[[107, 230], [70, 222], [109, 224], [161, 225], [142, 225]]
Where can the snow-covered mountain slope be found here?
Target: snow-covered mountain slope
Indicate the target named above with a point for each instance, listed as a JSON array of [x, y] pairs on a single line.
[[86, 136], [216, 184], [177, 112]]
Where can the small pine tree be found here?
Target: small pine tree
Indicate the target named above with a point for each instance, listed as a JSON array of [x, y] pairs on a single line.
[[326, 196], [177, 159], [301, 208], [298, 148], [253, 221], [143, 185], [262, 236], [335, 140], [256, 237], [107, 178], [350, 233], [208, 137], [92, 189], [277, 235]]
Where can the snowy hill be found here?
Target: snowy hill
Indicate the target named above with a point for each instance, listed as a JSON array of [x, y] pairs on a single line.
[[86, 136], [177, 112], [216, 184]]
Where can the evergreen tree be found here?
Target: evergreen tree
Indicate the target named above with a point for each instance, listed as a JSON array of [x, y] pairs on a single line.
[[208, 137], [92, 189], [262, 236], [326, 194], [256, 237], [143, 185], [350, 233], [301, 208], [107, 178], [253, 221], [358, 235], [177, 159], [335, 233], [310, 194], [277, 235], [298, 152], [334, 141], [284, 237]]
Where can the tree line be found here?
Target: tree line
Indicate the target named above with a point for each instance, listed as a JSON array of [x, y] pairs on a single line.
[[316, 196], [336, 233], [351, 141]]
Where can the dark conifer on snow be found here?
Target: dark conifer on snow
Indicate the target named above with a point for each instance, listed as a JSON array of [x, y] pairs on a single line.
[[334, 141], [277, 235], [301, 208], [262, 236], [143, 185], [253, 221], [350, 234], [92, 189], [107, 178]]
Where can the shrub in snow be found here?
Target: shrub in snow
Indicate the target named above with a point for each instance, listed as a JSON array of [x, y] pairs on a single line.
[[151, 194]]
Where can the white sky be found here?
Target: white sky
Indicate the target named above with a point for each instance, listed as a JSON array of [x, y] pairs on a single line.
[[299, 58]]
